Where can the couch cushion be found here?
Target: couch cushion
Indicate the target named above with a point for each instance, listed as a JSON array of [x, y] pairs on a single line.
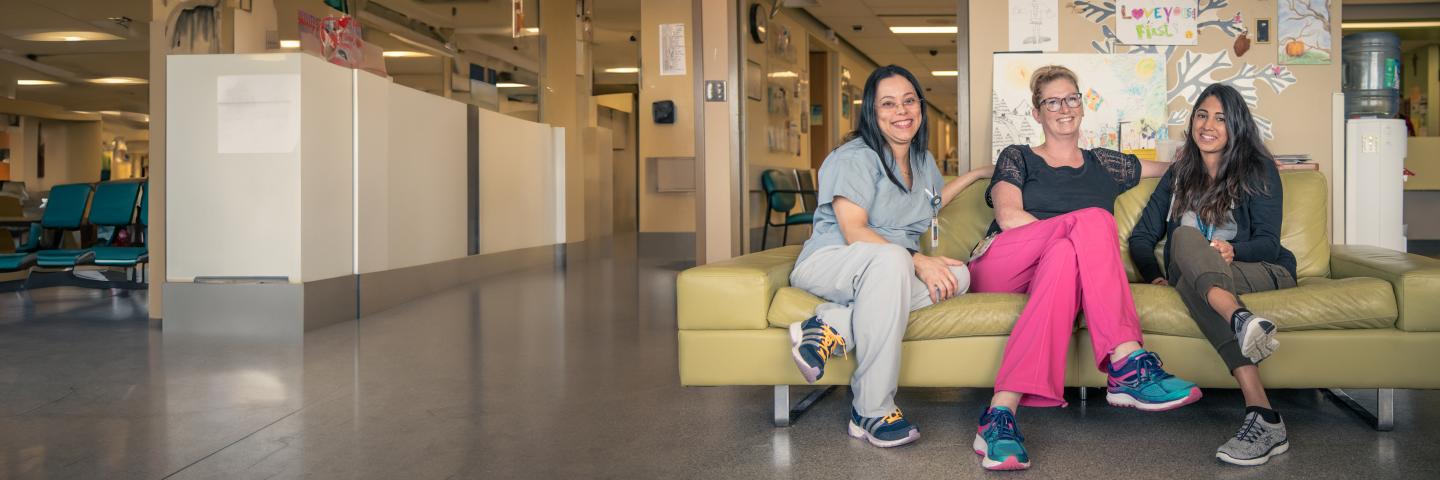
[[969, 315], [1317, 304]]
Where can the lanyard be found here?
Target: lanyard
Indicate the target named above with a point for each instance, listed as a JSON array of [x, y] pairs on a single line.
[[934, 219]]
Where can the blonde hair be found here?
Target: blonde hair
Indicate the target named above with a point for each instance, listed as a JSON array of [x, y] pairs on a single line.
[[1046, 74]]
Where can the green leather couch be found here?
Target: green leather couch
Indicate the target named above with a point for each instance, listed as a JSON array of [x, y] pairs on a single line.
[[1362, 317]]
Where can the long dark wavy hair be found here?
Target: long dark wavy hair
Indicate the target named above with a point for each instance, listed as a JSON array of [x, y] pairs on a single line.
[[1242, 162], [869, 128]]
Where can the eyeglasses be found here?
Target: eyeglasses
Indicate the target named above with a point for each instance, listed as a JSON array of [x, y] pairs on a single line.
[[890, 106], [1052, 104]]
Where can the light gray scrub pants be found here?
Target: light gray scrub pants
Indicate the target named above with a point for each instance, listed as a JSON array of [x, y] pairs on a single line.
[[871, 289]]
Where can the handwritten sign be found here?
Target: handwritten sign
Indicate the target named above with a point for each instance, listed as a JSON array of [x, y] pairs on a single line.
[[1156, 22]]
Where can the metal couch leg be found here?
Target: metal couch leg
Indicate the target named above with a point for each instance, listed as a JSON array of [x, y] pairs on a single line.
[[1084, 396], [1383, 419], [784, 414]]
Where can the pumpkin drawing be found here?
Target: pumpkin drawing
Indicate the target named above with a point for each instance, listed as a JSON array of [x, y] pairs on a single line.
[[1294, 48]]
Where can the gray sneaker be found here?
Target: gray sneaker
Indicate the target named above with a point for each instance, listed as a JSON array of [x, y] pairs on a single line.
[[1255, 443], [1256, 335]]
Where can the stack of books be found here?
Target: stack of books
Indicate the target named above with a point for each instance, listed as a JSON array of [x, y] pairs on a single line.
[[1293, 158]]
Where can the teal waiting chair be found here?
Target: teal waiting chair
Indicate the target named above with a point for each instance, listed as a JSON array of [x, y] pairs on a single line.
[[782, 190], [112, 206], [129, 256], [64, 211]]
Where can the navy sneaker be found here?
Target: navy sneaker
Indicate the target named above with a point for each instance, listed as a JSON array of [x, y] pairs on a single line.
[[812, 344], [1139, 382], [998, 441], [889, 431]]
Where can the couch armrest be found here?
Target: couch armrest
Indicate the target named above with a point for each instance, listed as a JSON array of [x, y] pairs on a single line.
[[733, 294], [1416, 280]]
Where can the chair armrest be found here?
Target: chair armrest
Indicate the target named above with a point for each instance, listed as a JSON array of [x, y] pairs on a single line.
[[733, 294], [1416, 280]]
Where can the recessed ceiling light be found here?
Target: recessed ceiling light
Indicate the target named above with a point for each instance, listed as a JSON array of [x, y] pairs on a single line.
[[945, 73], [36, 82], [623, 70], [510, 85], [858, 101], [929, 29], [119, 81], [1373, 25], [404, 54], [289, 44], [66, 36]]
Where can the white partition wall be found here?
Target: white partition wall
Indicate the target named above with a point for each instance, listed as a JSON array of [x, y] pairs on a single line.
[[521, 183], [411, 164], [283, 166], [259, 170]]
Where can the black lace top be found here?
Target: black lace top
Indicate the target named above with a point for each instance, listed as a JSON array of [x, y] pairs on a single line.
[[1050, 191]]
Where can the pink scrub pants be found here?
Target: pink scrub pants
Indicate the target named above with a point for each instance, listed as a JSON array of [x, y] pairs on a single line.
[[1066, 264]]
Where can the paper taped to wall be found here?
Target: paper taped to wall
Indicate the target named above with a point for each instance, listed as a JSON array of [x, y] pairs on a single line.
[[257, 113]]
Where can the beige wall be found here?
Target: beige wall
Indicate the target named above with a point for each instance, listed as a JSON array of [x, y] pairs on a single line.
[[665, 212], [565, 102], [1301, 115], [1421, 80], [72, 152]]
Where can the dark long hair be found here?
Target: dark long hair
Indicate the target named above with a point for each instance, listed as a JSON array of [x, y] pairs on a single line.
[[869, 128], [1242, 162]]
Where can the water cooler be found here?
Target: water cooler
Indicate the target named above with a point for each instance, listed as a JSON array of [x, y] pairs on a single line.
[[1374, 182]]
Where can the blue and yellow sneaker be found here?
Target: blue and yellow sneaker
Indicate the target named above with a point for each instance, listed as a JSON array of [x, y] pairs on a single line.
[[1139, 382], [812, 344], [998, 441], [889, 431]]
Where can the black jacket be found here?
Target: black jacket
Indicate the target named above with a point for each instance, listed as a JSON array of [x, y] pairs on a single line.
[[1257, 221]]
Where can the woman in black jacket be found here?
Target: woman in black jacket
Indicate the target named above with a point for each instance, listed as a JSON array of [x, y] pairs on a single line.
[[1221, 205]]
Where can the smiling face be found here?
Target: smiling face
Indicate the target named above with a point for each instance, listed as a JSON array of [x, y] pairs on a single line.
[[897, 109], [1066, 120], [1207, 126]]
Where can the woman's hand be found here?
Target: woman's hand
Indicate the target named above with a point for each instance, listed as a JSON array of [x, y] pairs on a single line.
[[1226, 250], [1160, 281], [935, 272]]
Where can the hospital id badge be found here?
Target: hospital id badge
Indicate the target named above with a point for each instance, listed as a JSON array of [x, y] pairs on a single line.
[[934, 233], [934, 220]]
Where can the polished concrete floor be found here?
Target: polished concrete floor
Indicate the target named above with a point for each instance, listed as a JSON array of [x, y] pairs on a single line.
[[554, 373]]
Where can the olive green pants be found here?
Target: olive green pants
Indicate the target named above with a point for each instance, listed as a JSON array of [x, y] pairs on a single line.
[[1195, 267]]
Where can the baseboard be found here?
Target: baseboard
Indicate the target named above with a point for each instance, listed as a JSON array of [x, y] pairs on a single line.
[[380, 291]]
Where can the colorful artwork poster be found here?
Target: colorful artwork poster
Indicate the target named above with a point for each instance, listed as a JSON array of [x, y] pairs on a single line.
[[1156, 22], [1125, 98], [1304, 32]]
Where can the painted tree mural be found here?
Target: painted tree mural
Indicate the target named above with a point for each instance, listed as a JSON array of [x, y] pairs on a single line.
[[1195, 70]]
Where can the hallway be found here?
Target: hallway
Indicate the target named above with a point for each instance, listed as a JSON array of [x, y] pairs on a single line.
[[551, 373]]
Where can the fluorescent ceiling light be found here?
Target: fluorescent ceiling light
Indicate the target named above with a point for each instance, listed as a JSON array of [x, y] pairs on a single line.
[[36, 82], [531, 30], [622, 70], [784, 74], [510, 85], [857, 102], [405, 54], [945, 73], [110, 112], [119, 81], [929, 29], [66, 36], [1387, 25], [289, 44]]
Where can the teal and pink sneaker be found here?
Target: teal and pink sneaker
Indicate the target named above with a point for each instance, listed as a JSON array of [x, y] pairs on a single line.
[[1139, 382], [998, 441]]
